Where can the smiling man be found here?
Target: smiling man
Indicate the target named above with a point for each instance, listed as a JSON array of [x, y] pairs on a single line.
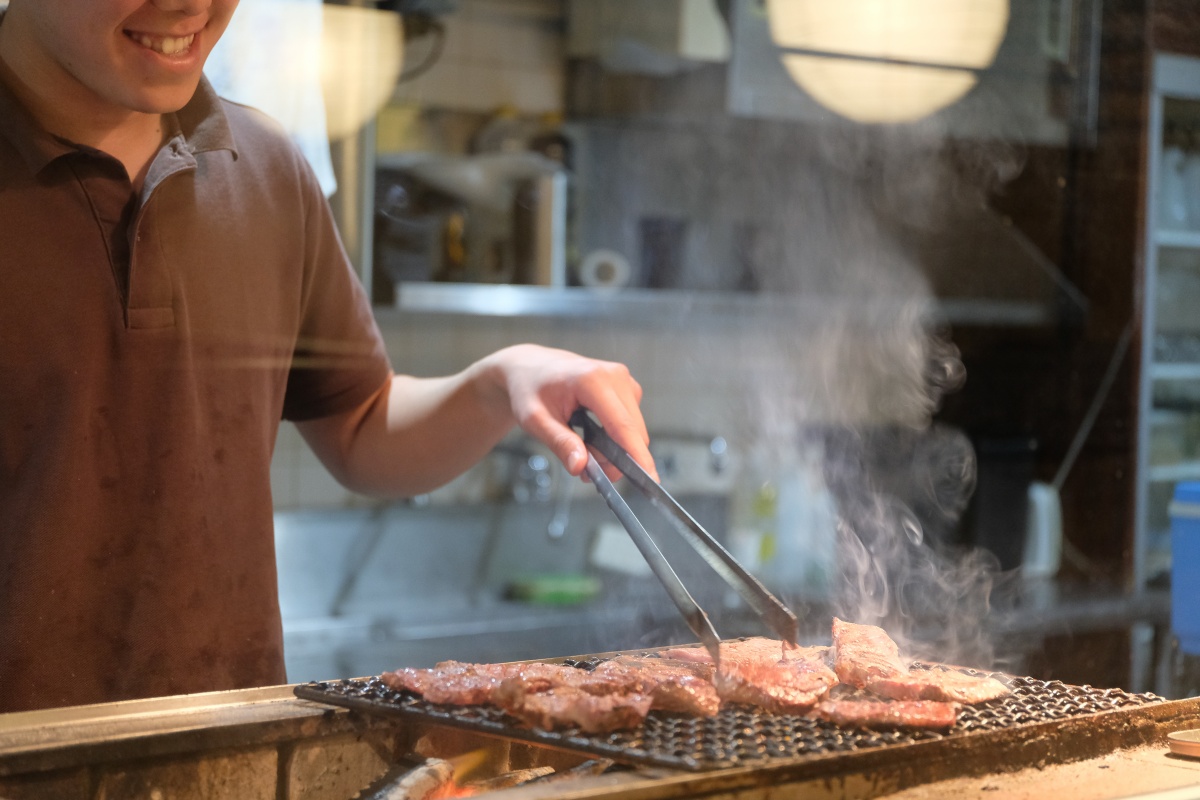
[[171, 287]]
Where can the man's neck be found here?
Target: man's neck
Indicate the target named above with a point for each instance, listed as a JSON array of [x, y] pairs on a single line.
[[132, 137]]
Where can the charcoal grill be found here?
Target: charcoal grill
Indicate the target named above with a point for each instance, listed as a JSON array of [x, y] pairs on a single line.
[[290, 747], [741, 736]]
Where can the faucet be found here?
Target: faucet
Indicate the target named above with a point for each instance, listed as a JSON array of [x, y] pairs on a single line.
[[538, 479], [666, 456]]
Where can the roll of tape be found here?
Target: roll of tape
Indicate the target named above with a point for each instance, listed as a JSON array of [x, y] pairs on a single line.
[[605, 269]]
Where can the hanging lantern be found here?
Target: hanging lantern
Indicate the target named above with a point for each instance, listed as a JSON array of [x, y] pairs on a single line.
[[887, 61]]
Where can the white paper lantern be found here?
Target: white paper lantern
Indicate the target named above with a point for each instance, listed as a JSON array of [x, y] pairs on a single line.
[[847, 46], [362, 55]]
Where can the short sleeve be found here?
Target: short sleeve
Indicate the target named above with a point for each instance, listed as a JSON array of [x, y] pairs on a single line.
[[340, 359]]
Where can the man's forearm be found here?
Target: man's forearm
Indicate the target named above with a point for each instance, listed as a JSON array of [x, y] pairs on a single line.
[[414, 435]]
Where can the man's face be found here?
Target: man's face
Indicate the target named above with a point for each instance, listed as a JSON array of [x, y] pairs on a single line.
[[113, 55]]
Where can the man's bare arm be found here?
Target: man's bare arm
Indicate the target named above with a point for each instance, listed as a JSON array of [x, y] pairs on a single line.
[[416, 434]]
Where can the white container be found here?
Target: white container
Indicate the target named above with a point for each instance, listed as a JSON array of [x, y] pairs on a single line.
[[1173, 196], [1043, 533]]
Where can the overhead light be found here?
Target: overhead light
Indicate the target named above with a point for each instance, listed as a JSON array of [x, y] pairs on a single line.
[[887, 61], [362, 54]]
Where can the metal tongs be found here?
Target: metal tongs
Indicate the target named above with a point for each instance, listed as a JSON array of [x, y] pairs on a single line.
[[777, 617]]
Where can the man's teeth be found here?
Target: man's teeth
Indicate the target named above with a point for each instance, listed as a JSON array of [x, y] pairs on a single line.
[[168, 45]]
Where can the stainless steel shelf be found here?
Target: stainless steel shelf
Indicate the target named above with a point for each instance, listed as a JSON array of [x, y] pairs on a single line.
[[668, 305], [1171, 473], [1181, 371], [1183, 239]]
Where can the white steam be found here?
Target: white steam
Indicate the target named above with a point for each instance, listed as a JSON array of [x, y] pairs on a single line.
[[868, 366]]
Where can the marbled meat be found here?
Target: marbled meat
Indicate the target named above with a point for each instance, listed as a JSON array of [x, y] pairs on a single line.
[[571, 706], [450, 682], [863, 654], [676, 686], [767, 673], [937, 683], [542, 693], [751, 650], [463, 684], [932, 714], [780, 687]]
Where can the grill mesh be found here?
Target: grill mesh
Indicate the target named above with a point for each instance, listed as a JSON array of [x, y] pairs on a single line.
[[738, 735]]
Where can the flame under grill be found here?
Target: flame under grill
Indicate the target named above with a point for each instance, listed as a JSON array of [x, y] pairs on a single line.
[[738, 736]]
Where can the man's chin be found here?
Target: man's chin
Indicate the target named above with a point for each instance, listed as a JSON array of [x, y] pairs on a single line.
[[164, 100]]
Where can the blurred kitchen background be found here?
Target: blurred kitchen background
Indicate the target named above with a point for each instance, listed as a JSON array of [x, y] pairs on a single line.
[[910, 288]]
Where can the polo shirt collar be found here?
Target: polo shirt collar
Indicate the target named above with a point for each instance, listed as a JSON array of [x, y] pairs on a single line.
[[202, 123]]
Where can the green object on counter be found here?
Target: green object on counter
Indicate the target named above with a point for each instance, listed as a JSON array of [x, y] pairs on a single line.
[[554, 589]]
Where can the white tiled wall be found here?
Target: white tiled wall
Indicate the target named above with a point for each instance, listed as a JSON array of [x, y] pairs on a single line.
[[497, 52]]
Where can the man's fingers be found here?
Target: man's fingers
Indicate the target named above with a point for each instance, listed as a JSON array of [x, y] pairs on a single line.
[[545, 394], [569, 448], [562, 441], [623, 422]]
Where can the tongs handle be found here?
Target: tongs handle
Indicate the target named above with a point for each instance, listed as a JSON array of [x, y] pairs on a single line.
[[777, 617], [692, 613]]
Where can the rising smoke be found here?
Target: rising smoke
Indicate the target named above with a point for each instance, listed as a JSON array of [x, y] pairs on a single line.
[[868, 373]]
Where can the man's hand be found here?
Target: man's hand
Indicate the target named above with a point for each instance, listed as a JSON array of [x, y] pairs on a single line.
[[543, 387]]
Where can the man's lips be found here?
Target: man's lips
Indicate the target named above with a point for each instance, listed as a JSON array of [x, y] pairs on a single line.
[[166, 45]]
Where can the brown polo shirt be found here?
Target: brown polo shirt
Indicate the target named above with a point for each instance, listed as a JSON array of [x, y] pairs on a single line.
[[149, 346]]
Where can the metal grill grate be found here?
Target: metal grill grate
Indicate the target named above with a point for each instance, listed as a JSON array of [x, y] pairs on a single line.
[[738, 736]]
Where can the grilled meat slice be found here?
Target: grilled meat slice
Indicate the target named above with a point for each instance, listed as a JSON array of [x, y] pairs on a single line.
[[677, 686], [686, 695], [779, 687], [570, 706], [752, 650], [662, 665], [539, 677], [863, 654], [450, 682], [670, 686], [692, 655], [811, 658], [464, 684], [889, 713], [940, 684], [766, 673]]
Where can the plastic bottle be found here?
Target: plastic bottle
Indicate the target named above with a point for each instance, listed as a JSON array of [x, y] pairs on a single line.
[[752, 518], [805, 557]]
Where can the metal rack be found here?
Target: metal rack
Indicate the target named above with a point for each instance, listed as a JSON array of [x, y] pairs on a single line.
[[1169, 389]]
